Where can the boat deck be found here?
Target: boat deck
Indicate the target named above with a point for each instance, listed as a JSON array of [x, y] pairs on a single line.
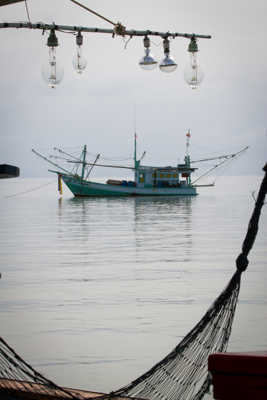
[[14, 390]]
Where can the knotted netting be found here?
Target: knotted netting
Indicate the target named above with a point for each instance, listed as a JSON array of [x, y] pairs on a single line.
[[18, 378], [182, 374]]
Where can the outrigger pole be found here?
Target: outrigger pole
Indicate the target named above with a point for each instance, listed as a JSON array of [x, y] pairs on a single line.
[[226, 158], [50, 162], [101, 165]]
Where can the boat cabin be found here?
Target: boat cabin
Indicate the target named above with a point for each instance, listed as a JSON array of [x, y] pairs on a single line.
[[165, 177]]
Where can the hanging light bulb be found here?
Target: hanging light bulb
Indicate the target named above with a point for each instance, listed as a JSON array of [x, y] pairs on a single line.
[[167, 64], [193, 74], [52, 71], [147, 62], [79, 62]]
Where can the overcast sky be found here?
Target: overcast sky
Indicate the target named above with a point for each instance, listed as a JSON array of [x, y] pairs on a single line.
[[228, 111]]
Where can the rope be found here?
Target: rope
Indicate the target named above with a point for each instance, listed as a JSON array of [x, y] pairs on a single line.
[[119, 29], [30, 190], [242, 261], [27, 11]]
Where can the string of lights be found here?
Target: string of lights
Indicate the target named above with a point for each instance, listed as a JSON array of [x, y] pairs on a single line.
[[53, 73]]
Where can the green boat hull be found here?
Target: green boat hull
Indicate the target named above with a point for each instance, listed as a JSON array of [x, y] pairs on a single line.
[[81, 188]]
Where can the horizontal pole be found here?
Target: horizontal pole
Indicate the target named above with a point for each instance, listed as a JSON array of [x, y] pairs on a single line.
[[69, 28], [101, 165]]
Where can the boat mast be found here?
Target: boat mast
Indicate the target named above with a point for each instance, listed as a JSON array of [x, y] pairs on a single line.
[[136, 163], [135, 149], [84, 161]]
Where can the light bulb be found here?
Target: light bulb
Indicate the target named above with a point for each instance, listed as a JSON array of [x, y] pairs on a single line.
[[147, 62], [193, 74], [79, 62], [167, 64], [52, 71]]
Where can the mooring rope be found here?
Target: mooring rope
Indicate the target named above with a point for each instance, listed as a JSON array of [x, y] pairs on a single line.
[[30, 190]]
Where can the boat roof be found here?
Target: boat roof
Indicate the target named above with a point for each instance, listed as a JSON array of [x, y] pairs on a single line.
[[179, 167]]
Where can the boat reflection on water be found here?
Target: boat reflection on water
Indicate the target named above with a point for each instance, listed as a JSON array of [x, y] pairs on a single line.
[[139, 229]]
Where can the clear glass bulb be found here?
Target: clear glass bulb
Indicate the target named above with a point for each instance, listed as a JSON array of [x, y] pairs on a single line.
[[148, 62], [167, 64], [79, 62], [52, 71], [193, 74]]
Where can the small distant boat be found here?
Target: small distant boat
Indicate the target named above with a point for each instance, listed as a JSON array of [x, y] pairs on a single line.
[[148, 180]]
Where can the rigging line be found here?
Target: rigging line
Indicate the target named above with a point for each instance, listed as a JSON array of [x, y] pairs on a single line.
[[116, 158], [207, 172], [58, 157], [67, 154], [93, 12]]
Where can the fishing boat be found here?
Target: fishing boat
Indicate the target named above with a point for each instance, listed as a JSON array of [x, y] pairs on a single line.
[[148, 180]]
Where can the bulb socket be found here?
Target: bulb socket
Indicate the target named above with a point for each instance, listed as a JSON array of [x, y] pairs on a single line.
[[79, 39], [52, 39], [193, 48], [146, 42], [166, 46]]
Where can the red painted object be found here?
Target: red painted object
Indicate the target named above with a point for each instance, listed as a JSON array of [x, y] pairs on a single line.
[[239, 376]]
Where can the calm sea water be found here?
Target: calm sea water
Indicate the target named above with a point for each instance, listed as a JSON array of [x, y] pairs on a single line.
[[95, 291]]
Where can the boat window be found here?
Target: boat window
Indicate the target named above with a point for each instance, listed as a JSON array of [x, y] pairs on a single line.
[[141, 177]]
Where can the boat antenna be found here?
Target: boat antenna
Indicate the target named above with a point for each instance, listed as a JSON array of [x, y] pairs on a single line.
[[187, 157], [188, 135]]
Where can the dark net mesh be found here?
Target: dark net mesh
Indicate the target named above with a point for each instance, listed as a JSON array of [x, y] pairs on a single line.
[[181, 375], [17, 377]]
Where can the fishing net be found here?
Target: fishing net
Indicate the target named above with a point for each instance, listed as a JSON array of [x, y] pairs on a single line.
[[183, 373]]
